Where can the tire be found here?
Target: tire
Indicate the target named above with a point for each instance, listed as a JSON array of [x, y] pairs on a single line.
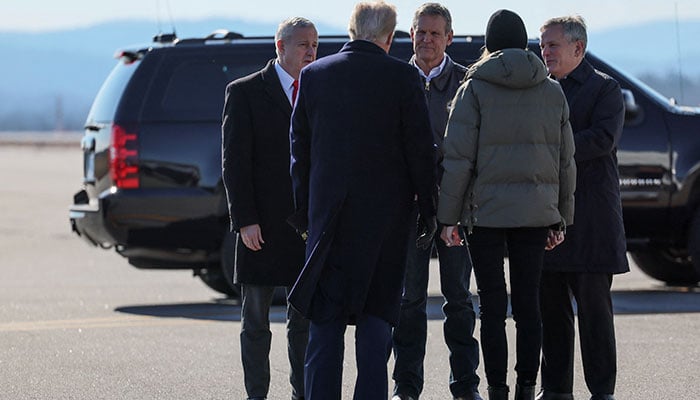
[[694, 243], [661, 264], [220, 277], [215, 279]]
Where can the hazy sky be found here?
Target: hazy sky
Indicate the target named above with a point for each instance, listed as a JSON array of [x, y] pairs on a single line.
[[470, 16]]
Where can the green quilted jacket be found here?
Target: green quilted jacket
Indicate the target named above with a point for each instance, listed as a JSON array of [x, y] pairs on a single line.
[[509, 149]]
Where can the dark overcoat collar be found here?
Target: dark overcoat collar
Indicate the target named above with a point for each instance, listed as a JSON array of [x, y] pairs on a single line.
[[575, 80], [363, 46], [273, 88], [581, 73]]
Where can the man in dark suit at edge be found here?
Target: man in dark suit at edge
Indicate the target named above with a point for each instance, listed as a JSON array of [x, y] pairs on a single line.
[[255, 159], [362, 148]]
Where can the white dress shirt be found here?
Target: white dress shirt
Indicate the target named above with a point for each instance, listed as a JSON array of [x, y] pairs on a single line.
[[433, 72], [286, 80]]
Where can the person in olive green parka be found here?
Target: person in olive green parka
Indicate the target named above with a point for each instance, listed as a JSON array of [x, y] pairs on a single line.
[[509, 178]]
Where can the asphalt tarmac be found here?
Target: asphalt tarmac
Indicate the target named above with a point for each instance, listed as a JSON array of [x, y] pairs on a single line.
[[77, 322]]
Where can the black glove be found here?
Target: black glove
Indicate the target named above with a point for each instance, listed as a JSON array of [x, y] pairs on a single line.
[[299, 221], [427, 226]]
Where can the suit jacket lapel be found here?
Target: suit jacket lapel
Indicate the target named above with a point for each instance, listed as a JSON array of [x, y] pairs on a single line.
[[273, 88]]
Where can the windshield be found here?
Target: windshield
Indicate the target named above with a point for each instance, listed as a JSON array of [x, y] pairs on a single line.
[[608, 68]]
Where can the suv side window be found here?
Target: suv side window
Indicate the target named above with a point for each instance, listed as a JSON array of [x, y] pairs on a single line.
[[107, 99], [183, 87]]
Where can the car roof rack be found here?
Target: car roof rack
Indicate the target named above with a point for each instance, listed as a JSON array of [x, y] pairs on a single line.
[[224, 34], [165, 38], [218, 35]]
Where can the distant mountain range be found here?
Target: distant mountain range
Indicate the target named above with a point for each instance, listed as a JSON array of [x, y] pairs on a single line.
[[48, 80]]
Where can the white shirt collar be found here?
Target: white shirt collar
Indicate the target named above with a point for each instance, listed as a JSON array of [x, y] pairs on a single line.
[[433, 72], [286, 80]]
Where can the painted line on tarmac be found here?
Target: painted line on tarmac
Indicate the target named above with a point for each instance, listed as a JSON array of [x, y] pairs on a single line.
[[97, 323]]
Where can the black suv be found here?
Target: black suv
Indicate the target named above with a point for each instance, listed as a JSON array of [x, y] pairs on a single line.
[[152, 184]]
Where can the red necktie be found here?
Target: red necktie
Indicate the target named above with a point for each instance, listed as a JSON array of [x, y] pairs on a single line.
[[295, 84]]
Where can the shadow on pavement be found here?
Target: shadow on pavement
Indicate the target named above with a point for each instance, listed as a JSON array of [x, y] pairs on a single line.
[[665, 300]]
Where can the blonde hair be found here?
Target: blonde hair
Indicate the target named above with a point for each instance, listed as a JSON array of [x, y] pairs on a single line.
[[374, 22]]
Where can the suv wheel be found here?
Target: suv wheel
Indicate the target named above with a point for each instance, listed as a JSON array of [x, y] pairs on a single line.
[[694, 243], [220, 277], [664, 265], [215, 279]]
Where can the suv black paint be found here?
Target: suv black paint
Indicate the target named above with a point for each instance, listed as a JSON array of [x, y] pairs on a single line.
[[152, 165]]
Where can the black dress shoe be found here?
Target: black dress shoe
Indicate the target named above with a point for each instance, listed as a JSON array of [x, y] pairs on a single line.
[[546, 395], [524, 392], [470, 396], [602, 397]]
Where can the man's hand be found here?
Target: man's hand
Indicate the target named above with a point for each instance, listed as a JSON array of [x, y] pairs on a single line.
[[450, 235], [252, 237], [426, 230], [554, 239]]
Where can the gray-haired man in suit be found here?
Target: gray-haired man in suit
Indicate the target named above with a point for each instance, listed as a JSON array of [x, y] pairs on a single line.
[[256, 177]]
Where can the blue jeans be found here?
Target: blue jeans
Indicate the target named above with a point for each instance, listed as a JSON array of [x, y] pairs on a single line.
[[409, 337], [525, 249], [256, 340]]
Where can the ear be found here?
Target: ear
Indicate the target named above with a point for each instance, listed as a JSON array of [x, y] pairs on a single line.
[[579, 51], [279, 44], [450, 36], [386, 44], [389, 39]]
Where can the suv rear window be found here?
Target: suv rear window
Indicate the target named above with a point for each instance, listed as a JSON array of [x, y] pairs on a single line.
[[188, 88], [107, 99]]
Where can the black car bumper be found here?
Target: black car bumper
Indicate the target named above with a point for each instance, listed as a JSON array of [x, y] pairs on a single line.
[[151, 218]]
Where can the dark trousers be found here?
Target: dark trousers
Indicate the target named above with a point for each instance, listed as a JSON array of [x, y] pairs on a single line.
[[256, 339], [409, 337], [525, 248], [324, 358], [596, 331]]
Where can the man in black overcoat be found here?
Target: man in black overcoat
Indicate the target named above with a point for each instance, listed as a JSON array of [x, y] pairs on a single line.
[[362, 149], [255, 152], [595, 247]]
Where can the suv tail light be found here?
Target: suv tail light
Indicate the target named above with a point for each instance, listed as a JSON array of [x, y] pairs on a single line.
[[123, 158]]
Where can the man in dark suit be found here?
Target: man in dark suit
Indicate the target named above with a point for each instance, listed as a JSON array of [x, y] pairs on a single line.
[[255, 154], [362, 149], [595, 246]]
